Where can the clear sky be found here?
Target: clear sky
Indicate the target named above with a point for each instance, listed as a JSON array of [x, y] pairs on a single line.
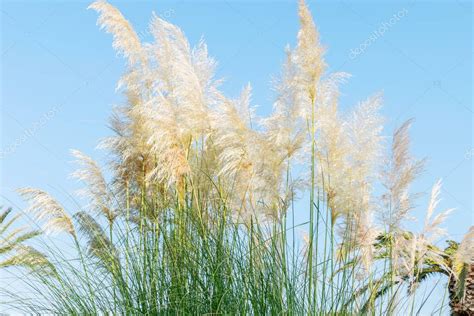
[[59, 71]]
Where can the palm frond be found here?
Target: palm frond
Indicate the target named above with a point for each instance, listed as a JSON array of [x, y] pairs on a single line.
[[11, 239]]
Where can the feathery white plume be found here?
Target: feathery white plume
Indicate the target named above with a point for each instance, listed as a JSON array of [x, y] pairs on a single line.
[[285, 127], [126, 41], [308, 55], [401, 171], [96, 187], [411, 251], [47, 210]]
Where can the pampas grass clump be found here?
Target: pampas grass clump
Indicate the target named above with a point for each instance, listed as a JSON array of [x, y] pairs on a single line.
[[197, 212]]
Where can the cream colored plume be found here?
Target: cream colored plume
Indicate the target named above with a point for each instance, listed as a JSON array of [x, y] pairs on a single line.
[[285, 127], [308, 55], [432, 223], [365, 127], [96, 187], [237, 144], [168, 141], [402, 169], [126, 41], [170, 100], [184, 76], [365, 237], [413, 250], [332, 149], [348, 149], [47, 210], [250, 164]]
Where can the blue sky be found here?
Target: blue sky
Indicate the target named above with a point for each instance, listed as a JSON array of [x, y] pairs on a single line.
[[59, 71]]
